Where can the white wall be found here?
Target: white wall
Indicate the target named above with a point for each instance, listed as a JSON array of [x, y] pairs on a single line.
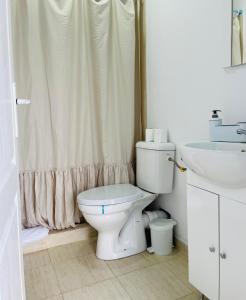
[[239, 4], [188, 48]]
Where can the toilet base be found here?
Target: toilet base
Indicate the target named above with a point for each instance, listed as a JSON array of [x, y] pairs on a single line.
[[108, 248], [120, 255], [127, 240]]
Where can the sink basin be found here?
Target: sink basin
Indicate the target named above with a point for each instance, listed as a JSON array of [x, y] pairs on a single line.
[[223, 164]]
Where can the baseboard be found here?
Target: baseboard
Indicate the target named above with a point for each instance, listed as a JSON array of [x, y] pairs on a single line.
[[61, 237], [180, 244]]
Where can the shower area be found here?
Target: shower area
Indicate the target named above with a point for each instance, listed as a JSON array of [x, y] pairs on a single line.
[[81, 64]]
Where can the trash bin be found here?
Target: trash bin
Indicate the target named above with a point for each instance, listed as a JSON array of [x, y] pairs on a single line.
[[162, 236]]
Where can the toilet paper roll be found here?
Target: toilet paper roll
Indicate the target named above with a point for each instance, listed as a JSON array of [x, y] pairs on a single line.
[[149, 135], [160, 136]]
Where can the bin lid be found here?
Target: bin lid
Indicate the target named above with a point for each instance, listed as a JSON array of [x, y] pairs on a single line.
[[162, 224]]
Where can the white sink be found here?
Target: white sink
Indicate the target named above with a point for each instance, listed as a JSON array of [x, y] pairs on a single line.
[[223, 164]]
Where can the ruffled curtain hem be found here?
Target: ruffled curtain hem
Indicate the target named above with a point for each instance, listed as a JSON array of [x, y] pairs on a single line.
[[49, 198]]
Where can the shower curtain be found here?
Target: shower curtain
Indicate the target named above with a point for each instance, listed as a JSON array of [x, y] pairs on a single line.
[[79, 61]]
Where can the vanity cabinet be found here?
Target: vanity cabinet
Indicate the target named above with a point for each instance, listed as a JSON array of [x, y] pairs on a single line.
[[233, 246], [203, 241], [217, 244]]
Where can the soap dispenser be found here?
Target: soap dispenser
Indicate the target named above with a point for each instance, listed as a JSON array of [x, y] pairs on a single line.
[[216, 121], [213, 123]]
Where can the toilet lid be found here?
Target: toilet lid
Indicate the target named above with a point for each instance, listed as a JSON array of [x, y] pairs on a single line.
[[110, 194]]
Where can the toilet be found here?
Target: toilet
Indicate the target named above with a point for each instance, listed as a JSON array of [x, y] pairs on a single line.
[[116, 211]]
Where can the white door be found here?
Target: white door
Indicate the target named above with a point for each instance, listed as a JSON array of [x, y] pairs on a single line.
[[11, 274], [203, 241], [233, 250]]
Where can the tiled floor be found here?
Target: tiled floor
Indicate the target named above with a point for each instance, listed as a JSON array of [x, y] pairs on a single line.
[[72, 272]]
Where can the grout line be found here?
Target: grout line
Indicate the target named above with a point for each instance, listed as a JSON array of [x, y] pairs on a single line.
[[136, 270], [150, 265], [53, 268], [114, 276], [90, 285], [26, 267], [139, 268], [117, 277], [124, 288]]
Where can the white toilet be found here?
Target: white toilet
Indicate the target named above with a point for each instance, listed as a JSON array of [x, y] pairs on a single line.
[[115, 211]]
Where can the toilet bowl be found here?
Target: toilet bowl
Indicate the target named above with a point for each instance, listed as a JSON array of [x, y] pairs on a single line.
[[117, 218], [115, 211]]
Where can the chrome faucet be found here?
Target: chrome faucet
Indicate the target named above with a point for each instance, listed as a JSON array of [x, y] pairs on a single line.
[[235, 133]]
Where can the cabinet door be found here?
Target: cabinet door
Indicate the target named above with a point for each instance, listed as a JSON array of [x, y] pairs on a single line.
[[203, 241], [233, 246]]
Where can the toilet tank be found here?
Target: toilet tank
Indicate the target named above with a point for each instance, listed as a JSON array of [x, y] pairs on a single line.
[[154, 171]]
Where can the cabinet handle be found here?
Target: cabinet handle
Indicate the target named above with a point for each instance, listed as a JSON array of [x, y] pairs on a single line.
[[212, 249], [223, 255]]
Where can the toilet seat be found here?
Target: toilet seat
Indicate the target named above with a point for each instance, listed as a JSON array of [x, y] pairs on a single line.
[[110, 195]]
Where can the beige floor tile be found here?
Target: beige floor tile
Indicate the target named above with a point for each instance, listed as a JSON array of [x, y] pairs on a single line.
[[74, 270], [59, 297], [73, 250], [98, 268], [73, 274], [61, 253], [129, 264], [106, 290], [179, 267], [193, 296], [155, 283], [37, 259], [41, 283]]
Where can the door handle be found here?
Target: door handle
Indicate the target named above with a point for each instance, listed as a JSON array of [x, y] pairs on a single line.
[[23, 101]]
